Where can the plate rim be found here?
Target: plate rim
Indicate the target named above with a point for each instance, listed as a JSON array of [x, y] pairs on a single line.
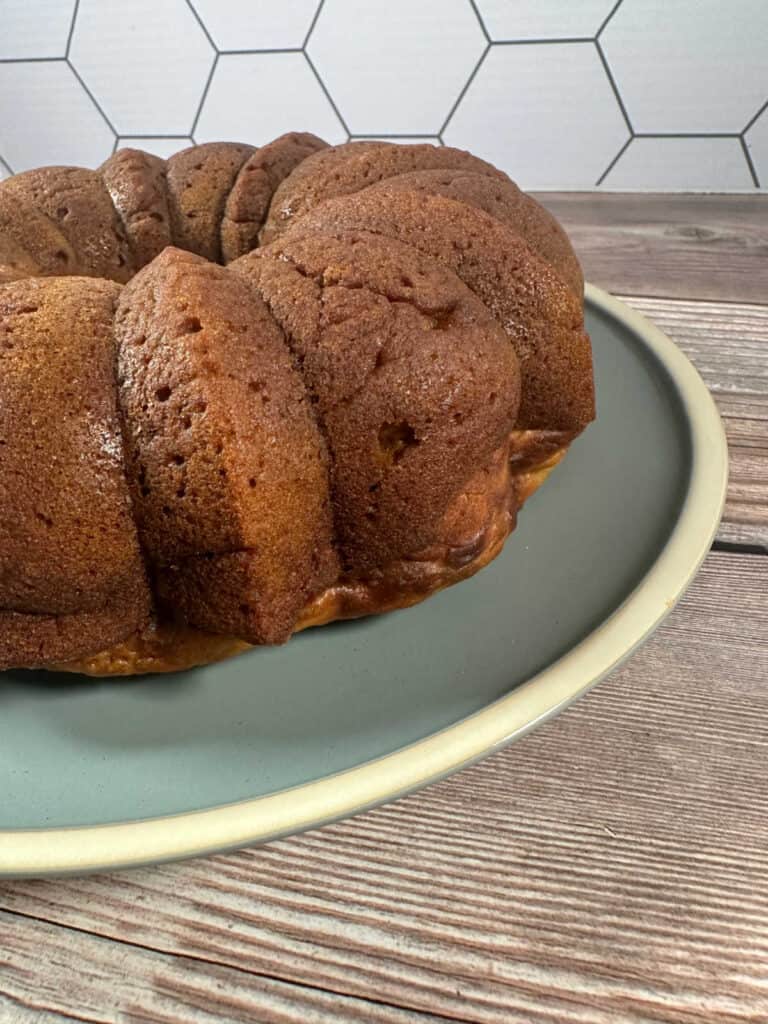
[[81, 849]]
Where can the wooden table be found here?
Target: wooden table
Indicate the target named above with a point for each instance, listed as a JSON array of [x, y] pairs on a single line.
[[611, 867]]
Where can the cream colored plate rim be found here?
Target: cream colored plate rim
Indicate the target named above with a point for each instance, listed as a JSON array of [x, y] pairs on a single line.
[[107, 847]]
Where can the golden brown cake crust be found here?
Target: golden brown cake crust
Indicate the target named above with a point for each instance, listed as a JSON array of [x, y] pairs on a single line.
[[30, 640], [343, 170], [31, 244], [252, 191], [472, 533], [199, 180], [329, 158], [504, 201], [77, 201], [334, 425], [413, 382], [15, 261], [136, 184], [227, 469], [71, 573], [541, 315]]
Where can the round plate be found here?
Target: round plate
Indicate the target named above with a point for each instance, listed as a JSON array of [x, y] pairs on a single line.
[[115, 773]]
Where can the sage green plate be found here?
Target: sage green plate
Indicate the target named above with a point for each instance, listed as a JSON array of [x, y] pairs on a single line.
[[104, 774]]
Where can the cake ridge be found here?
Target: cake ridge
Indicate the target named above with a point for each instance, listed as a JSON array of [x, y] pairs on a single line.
[[333, 423]]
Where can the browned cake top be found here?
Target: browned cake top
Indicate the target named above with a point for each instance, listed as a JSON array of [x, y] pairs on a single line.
[[77, 201], [15, 261], [414, 383], [136, 184], [68, 543], [348, 168], [541, 315], [508, 204], [334, 424], [199, 180], [330, 156], [29, 238], [251, 194], [221, 443]]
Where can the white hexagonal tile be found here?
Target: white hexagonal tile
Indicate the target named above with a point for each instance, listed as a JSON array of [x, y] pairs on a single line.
[[689, 66], [146, 62], [256, 97], [163, 147], [670, 165], [395, 67], [257, 24], [546, 114], [37, 29], [757, 144], [46, 117], [543, 19]]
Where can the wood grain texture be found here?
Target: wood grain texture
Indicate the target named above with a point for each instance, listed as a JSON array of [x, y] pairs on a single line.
[[679, 246], [91, 979], [611, 868], [728, 344]]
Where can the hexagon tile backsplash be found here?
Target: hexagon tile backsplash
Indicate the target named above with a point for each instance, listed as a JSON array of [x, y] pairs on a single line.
[[568, 94]]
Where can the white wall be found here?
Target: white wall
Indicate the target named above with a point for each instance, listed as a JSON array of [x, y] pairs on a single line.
[[640, 94]]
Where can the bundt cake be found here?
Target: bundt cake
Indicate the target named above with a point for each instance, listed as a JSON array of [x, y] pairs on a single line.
[[245, 391]]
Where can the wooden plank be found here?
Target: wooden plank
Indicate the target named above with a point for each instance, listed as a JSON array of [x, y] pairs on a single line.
[[611, 868], [728, 344], [90, 979], [678, 246], [12, 1013]]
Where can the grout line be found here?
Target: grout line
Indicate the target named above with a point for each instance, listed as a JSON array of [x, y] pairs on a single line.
[[149, 135], [71, 32], [464, 90], [257, 53], [750, 162], [542, 42], [6, 165], [202, 25], [206, 87], [613, 85], [328, 96], [687, 135], [394, 135], [92, 98], [312, 24], [752, 120], [31, 60], [479, 17], [610, 15], [613, 162]]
